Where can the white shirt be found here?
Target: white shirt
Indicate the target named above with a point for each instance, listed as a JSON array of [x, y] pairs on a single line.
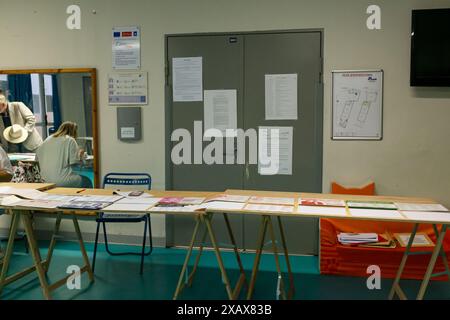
[[56, 157]]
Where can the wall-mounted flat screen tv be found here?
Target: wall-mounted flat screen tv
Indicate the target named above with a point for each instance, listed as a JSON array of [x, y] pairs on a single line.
[[430, 48]]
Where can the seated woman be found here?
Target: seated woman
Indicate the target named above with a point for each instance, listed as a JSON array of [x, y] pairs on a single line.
[[58, 153]]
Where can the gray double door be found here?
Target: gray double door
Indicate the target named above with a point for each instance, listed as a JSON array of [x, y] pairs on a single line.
[[241, 61]]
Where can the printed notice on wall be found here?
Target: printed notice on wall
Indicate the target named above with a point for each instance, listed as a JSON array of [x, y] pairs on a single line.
[[126, 48], [220, 111], [127, 133], [275, 150], [281, 96], [187, 83], [127, 88], [357, 104]]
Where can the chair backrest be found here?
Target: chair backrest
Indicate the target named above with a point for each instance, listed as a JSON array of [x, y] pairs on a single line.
[[127, 181], [367, 190]]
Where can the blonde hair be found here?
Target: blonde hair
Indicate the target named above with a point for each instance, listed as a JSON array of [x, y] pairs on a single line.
[[67, 128]]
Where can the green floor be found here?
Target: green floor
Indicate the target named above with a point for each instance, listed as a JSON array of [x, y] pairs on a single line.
[[118, 278]]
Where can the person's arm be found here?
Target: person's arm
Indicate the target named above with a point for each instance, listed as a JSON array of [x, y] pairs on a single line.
[[74, 152], [28, 117]]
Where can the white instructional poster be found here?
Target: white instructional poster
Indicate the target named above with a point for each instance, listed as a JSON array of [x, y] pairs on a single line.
[[357, 105], [127, 88], [187, 79], [220, 110], [126, 48], [273, 160], [281, 96]]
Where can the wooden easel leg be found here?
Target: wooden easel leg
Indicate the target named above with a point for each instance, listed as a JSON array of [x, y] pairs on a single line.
[[53, 242], [431, 264], [186, 260], [277, 262], [288, 263], [9, 248], [396, 285], [442, 253], [35, 253], [197, 258], [212, 236], [261, 237], [242, 279], [82, 248]]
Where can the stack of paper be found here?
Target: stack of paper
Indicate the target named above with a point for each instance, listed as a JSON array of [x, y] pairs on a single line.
[[269, 208], [22, 192], [420, 207], [321, 202], [230, 198], [355, 238], [272, 200], [372, 205]]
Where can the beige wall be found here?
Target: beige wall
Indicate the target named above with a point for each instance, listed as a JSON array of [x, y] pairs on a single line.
[[412, 159]]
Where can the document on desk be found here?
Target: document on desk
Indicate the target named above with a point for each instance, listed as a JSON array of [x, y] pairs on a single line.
[[427, 216], [8, 201], [420, 207], [322, 210], [92, 198], [268, 208], [230, 198], [321, 202], [272, 200], [127, 207], [41, 204], [281, 96], [22, 192], [127, 194], [376, 213], [220, 112], [222, 205], [138, 200], [275, 150], [187, 84], [57, 197], [175, 208]]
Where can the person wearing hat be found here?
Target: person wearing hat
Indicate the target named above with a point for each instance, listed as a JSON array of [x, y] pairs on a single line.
[[19, 122]]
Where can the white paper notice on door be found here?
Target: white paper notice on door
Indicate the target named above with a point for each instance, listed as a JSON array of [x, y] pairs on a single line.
[[275, 150], [187, 82], [281, 96], [220, 112]]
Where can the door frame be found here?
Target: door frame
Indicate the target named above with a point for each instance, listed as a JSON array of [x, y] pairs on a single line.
[[168, 110]]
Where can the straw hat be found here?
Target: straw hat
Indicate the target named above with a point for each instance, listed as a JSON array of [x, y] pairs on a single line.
[[15, 134]]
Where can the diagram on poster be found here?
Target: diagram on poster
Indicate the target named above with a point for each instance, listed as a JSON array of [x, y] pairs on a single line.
[[357, 104]]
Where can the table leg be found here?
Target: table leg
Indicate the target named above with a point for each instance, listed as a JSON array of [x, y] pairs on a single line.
[[34, 248], [82, 248], [260, 243], [277, 262], [212, 236], [9, 248], [242, 279], [431, 264], [442, 253], [288, 263], [53, 242], [186, 260], [197, 258]]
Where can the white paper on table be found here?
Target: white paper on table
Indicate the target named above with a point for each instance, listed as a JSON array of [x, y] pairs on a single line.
[[223, 205], [281, 96], [322, 211], [231, 198], [272, 200], [220, 112], [268, 162], [187, 79], [192, 200], [10, 201], [176, 209], [57, 197], [138, 200], [128, 207], [269, 208], [92, 198], [43, 204], [376, 213], [427, 216], [420, 207], [321, 202], [22, 192], [127, 194]]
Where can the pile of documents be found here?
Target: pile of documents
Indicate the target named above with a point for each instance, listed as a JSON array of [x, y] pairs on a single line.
[[357, 238]]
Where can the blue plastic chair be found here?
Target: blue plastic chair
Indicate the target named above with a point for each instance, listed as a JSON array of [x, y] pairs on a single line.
[[124, 181]]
